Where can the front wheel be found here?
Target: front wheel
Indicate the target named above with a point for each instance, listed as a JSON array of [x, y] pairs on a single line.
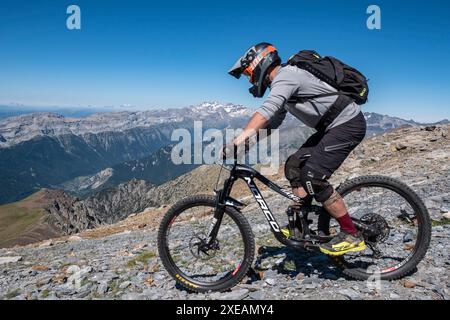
[[193, 263], [398, 229]]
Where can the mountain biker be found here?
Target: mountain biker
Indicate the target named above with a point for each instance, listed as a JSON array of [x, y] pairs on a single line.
[[309, 169]]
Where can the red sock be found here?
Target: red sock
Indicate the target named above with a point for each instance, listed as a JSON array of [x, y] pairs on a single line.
[[347, 224]]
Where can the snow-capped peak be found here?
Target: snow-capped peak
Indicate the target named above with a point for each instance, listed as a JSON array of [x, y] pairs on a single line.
[[232, 110], [25, 127]]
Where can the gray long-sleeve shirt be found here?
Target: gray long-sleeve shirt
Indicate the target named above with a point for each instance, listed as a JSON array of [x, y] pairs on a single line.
[[292, 81]]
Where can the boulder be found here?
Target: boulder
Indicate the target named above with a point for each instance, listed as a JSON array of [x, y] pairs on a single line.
[[5, 260]]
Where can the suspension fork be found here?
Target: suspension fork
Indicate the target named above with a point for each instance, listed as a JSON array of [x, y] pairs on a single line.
[[221, 197]]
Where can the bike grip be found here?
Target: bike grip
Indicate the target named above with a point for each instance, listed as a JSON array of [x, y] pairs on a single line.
[[226, 152]]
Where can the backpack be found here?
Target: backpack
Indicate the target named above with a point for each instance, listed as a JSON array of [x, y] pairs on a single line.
[[346, 80]]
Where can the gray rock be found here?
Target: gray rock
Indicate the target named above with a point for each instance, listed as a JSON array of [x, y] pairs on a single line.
[[311, 280], [42, 281], [159, 276], [110, 275], [251, 287], [74, 239], [133, 296], [77, 276], [408, 237], [5, 260], [125, 285], [87, 269], [235, 294], [47, 243], [73, 269], [350, 293], [394, 296], [311, 286], [52, 297], [256, 295], [102, 288], [84, 291], [155, 296]]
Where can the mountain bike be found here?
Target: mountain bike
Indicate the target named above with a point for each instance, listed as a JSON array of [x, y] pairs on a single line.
[[207, 244]]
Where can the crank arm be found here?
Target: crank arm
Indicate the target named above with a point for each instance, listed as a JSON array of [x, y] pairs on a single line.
[[368, 230]]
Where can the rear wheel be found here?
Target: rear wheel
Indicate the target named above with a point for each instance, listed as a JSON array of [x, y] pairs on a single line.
[[188, 258], [400, 228]]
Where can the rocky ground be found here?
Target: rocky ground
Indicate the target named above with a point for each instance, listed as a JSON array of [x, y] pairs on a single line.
[[121, 262]]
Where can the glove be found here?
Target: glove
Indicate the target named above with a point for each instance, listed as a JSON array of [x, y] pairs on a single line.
[[229, 151]]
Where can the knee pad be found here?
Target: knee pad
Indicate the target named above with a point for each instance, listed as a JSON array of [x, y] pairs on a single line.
[[292, 170], [316, 184]]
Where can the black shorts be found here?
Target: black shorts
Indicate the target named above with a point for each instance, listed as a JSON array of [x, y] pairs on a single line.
[[324, 152]]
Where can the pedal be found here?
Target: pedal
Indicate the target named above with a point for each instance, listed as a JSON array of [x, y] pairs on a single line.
[[323, 239], [311, 247]]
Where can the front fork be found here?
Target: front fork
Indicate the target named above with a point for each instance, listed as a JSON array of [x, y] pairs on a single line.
[[222, 201]]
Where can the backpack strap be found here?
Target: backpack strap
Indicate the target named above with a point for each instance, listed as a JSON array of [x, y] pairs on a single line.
[[320, 75], [333, 112], [303, 99]]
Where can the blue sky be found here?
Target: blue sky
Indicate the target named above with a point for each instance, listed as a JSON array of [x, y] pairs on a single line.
[[176, 53]]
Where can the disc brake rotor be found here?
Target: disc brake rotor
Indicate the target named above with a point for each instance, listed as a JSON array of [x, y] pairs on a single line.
[[200, 249]]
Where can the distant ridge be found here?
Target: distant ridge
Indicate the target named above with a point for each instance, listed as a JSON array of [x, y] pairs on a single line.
[[85, 155]]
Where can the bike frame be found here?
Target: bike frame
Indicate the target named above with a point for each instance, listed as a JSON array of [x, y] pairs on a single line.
[[249, 175]]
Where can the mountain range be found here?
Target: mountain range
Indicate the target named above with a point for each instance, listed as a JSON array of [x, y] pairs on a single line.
[[49, 150], [89, 154]]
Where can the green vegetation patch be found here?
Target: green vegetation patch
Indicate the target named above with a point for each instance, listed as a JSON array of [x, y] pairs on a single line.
[[16, 220], [141, 258], [290, 265], [442, 222], [12, 294], [45, 293]]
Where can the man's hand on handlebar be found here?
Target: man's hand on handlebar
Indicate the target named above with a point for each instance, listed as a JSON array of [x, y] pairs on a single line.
[[232, 151], [229, 151]]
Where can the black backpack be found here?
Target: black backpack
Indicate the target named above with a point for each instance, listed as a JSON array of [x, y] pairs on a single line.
[[346, 80]]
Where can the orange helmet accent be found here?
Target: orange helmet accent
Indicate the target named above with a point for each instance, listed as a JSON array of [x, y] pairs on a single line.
[[249, 70], [255, 64]]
